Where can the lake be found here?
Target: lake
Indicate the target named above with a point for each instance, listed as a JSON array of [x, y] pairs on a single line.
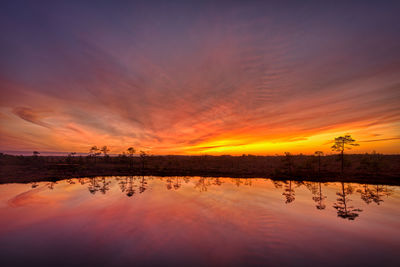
[[186, 221]]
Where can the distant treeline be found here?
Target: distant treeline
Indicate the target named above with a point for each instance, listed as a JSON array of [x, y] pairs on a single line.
[[374, 168]]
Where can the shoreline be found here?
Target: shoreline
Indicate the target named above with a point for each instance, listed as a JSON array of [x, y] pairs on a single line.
[[372, 169]]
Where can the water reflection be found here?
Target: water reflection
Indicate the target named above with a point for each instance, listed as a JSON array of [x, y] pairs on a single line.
[[343, 204], [184, 221], [318, 197], [374, 193]]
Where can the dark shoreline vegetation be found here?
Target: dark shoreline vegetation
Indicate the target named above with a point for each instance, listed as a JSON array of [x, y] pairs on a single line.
[[358, 168]]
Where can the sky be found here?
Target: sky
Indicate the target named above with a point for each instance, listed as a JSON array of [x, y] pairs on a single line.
[[185, 77]]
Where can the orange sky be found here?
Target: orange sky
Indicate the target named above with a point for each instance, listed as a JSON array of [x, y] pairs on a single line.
[[205, 79]]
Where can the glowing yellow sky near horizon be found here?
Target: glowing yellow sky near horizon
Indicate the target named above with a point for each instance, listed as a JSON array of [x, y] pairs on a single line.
[[320, 142], [233, 143], [221, 79]]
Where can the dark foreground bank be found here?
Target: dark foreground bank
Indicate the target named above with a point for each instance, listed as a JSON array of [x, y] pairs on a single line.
[[366, 168]]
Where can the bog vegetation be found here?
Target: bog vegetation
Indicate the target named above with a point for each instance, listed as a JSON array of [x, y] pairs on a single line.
[[372, 167]]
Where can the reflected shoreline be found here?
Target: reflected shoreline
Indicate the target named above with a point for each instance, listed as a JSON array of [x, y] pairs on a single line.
[[358, 180], [136, 185]]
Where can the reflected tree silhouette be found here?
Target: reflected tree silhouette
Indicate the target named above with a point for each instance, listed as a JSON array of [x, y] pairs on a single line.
[[202, 184], [169, 183], [173, 183], [248, 182], [319, 154], [93, 185], [316, 191], [70, 181], [217, 181], [122, 182], [365, 193], [177, 183], [143, 184], [130, 191], [288, 192], [186, 179], [344, 210], [130, 185], [375, 193], [277, 184], [319, 198], [105, 185], [237, 181], [50, 185], [241, 181]]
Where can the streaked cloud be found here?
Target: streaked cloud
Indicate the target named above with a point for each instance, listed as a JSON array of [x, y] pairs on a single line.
[[180, 78]]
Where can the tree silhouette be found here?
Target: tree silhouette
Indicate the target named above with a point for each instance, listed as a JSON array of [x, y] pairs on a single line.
[[105, 150], [36, 153], [70, 157], [131, 151], [342, 143], [94, 152], [143, 157], [319, 154], [344, 210], [372, 163], [288, 163]]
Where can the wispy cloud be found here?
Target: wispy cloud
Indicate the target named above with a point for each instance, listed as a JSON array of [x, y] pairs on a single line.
[[189, 76], [30, 115]]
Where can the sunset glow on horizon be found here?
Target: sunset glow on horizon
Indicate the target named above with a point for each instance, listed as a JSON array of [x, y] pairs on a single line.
[[206, 78]]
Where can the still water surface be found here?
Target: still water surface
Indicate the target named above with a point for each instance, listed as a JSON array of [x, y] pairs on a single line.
[[135, 221]]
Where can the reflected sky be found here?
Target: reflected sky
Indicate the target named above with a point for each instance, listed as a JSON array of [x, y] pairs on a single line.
[[182, 220]]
